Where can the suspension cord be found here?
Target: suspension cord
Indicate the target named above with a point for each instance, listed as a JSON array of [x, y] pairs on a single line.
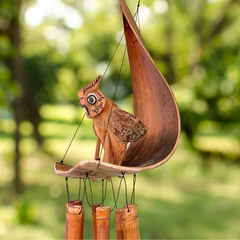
[[73, 138], [133, 191], [116, 199], [67, 190], [104, 192], [112, 56], [112, 105], [90, 186], [84, 189], [136, 14], [125, 191], [114, 96], [79, 189]]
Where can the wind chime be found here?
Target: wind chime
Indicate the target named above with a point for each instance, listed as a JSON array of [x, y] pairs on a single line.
[[131, 143]]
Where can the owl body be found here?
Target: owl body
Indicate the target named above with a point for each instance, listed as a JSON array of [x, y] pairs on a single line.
[[114, 128], [116, 148]]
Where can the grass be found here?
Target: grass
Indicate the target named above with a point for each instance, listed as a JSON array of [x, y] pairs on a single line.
[[179, 200]]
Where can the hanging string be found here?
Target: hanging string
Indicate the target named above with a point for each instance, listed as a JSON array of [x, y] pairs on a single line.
[[67, 190], [133, 191], [116, 199], [84, 190], [109, 63], [90, 186], [73, 138], [138, 19], [136, 14], [114, 96], [104, 193], [79, 189], [125, 190]]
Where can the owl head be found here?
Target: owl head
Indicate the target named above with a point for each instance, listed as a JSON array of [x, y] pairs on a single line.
[[92, 99]]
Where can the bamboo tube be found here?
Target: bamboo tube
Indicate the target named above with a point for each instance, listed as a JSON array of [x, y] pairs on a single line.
[[119, 223], [75, 220], [94, 223], [103, 222], [66, 225], [130, 222], [75, 202]]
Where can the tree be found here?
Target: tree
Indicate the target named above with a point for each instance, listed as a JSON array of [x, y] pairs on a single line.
[[15, 89]]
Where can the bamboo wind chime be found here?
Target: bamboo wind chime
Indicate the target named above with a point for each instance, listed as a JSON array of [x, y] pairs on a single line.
[[126, 222], [131, 143], [126, 218]]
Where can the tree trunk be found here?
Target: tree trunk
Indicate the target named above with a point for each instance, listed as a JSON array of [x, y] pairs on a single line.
[[15, 66]]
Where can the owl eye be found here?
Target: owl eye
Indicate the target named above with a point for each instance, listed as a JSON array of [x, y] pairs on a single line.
[[91, 99]]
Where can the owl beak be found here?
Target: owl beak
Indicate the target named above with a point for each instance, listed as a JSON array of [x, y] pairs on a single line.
[[86, 110]]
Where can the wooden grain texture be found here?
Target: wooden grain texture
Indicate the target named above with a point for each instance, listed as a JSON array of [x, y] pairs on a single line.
[[94, 221], [96, 170], [66, 224], [98, 108], [125, 126], [130, 222], [103, 222], [74, 202], [119, 223], [153, 100], [154, 105], [75, 220]]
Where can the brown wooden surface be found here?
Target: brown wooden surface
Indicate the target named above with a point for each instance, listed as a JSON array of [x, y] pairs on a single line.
[[103, 222], [97, 151], [96, 170], [154, 102], [94, 221], [119, 223], [130, 222], [74, 202], [66, 224], [154, 105], [98, 107], [75, 220]]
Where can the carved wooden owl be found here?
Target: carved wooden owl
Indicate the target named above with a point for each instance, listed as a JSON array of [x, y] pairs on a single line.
[[115, 128]]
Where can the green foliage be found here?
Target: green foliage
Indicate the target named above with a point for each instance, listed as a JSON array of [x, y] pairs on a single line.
[[179, 200], [24, 213], [195, 44], [8, 90], [41, 78]]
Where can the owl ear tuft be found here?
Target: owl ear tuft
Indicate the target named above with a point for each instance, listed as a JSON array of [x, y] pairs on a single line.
[[94, 84], [97, 80]]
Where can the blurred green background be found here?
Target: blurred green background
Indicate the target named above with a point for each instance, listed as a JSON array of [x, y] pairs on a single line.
[[49, 49]]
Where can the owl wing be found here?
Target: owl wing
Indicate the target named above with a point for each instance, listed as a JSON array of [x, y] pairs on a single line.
[[125, 127]]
